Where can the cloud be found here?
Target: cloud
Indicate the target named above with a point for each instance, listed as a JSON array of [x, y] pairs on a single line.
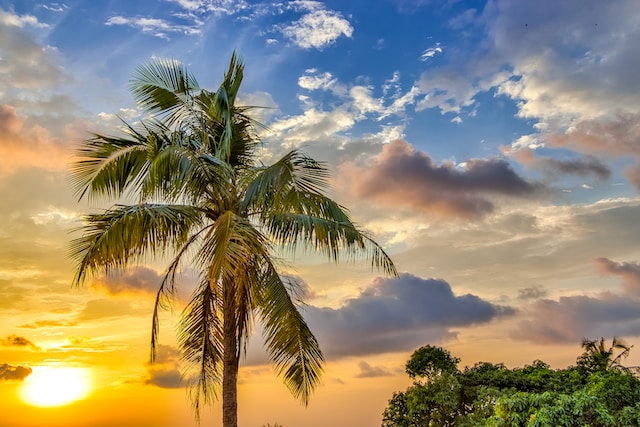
[[28, 146], [134, 280], [571, 318], [566, 65], [610, 136], [24, 64], [397, 314], [155, 26], [430, 52], [318, 29], [14, 373], [12, 20], [165, 373], [401, 176], [11, 296], [47, 324], [368, 371], [553, 167], [218, 7], [629, 271], [322, 81], [531, 293], [16, 341], [585, 166], [90, 345], [102, 309]]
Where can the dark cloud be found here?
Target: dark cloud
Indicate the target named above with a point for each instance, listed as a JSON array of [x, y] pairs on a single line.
[[403, 176], [571, 318], [368, 371], [617, 136], [397, 314], [165, 373], [14, 373], [135, 279], [533, 292], [582, 167], [16, 341], [629, 271]]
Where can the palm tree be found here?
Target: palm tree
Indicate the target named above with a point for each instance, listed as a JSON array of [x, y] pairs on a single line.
[[597, 357], [198, 194]]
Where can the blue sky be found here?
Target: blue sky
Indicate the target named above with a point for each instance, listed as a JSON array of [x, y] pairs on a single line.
[[491, 146]]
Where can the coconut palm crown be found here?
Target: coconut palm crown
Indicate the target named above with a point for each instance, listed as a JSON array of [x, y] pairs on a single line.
[[187, 186]]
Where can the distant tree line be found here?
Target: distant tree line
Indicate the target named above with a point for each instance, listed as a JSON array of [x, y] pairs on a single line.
[[597, 391]]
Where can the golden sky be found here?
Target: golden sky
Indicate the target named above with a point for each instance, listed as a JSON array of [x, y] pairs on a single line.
[[491, 147]]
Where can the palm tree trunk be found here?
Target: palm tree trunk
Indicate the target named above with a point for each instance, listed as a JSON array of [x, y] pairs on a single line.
[[230, 359]]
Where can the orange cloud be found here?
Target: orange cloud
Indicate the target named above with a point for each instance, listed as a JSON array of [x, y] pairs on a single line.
[[613, 137], [17, 341], [629, 271], [23, 146], [402, 176], [14, 373]]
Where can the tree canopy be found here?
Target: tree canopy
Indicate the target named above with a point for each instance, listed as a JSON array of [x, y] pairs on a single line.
[[493, 395]]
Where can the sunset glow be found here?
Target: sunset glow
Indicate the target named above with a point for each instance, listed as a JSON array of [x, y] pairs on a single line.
[[56, 386], [491, 148]]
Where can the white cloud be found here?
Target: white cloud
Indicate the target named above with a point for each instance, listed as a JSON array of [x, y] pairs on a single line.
[[312, 125], [322, 81], [13, 20], [218, 7], [364, 102], [431, 52], [155, 26], [318, 29]]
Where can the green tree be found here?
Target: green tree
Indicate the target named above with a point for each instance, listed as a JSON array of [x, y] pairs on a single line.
[[489, 394], [430, 362], [195, 193], [598, 357]]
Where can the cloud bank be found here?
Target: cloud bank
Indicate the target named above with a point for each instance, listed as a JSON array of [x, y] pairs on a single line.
[[397, 314], [402, 176]]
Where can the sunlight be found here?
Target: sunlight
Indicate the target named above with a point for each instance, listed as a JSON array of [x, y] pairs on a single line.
[[55, 386]]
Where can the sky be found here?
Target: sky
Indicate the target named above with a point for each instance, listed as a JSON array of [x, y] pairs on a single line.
[[491, 147]]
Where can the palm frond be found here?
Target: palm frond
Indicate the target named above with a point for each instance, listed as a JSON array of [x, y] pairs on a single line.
[[122, 234], [224, 102], [289, 179], [107, 166], [232, 250], [165, 87], [167, 291], [330, 237], [179, 172], [289, 199], [292, 347], [200, 342]]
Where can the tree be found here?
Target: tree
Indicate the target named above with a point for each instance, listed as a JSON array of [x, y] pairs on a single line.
[[430, 362], [489, 394], [200, 196], [597, 357]]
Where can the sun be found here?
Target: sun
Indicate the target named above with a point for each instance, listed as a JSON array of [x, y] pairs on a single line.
[[55, 386]]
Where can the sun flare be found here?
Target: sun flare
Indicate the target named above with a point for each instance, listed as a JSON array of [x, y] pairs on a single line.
[[55, 386]]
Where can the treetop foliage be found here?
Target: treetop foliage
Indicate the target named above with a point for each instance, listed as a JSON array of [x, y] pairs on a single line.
[[597, 391]]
